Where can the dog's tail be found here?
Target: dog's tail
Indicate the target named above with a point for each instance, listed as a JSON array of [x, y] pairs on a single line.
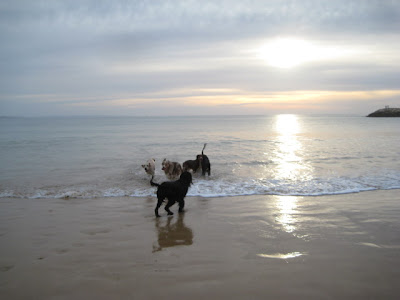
[[153, 183], [203, 149]]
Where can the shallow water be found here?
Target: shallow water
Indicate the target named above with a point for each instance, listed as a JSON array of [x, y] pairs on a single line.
[[281, 155]]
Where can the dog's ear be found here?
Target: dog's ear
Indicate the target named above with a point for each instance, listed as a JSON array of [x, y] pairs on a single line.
[[153, 159], [143, 166]]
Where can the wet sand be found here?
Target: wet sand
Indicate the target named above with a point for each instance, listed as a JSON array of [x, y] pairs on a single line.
[[252, 247]]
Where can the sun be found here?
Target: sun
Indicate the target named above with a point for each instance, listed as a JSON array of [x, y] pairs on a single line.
[[292, 52]]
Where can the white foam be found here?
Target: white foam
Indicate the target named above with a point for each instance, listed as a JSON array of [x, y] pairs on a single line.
[[115, 192], [219, 186], [7, 194]]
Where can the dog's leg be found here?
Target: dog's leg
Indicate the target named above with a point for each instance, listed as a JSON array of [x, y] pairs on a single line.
[[209, 170], [169, 204], [159, 202], [181, 205]]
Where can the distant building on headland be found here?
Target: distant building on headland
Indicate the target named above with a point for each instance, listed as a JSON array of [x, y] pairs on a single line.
[[386, 112]]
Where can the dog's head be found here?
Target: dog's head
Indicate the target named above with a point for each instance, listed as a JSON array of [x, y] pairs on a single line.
[[165, 164], [149, 167], [186, 178], [199, 158]]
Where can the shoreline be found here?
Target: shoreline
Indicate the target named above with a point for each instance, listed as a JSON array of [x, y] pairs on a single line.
[[258, 246], [10, 195]]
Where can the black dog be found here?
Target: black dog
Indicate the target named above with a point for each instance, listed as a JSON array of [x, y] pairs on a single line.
[[192, 164], [174, 191], [205, 163]]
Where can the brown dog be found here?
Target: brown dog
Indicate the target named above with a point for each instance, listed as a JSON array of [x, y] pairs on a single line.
[[171, 169]]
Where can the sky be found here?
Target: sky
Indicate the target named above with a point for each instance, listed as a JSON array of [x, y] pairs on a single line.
[[167, 58]]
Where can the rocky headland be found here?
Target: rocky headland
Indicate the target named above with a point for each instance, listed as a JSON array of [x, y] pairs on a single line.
[[386, 112]]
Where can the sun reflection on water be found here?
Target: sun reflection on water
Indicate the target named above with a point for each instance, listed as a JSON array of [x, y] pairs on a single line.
[[288, 156], [282, 255], [289, 166], [285, 156], [286, 212]]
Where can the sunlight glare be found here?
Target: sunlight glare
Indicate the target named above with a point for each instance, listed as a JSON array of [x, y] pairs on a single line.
[[282, 255], [287, 207], [286, 158], [292, 52]]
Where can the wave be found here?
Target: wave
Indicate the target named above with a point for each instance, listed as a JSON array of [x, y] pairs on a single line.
[[222, 187]]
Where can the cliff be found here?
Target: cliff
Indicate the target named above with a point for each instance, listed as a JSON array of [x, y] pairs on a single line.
[[386, 112]]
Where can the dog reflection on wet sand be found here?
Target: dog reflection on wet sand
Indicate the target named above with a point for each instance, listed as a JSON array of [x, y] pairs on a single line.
[[171, 234]]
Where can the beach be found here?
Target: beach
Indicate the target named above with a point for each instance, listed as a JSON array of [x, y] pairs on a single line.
[[294, 192], [246, 247]]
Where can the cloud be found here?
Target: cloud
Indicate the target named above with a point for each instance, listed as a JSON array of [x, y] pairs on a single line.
[[104, 51]]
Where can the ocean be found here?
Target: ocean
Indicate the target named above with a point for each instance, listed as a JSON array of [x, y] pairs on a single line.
[[90, 157]]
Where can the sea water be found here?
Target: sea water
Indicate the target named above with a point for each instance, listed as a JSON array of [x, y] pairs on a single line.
[[57, 157]]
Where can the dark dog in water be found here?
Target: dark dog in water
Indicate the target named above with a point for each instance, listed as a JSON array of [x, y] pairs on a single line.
[[205, 163], [174, 191], [192, 164]]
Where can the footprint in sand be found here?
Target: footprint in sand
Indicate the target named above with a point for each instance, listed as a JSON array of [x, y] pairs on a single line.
[[96, 231], [6, 268], [61, 250]]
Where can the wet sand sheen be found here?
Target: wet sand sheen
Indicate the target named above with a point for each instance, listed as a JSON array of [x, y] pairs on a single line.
[[332, 247]]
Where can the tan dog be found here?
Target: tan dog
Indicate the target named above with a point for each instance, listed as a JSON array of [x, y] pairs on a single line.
[[171, 169], [150, 167]]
